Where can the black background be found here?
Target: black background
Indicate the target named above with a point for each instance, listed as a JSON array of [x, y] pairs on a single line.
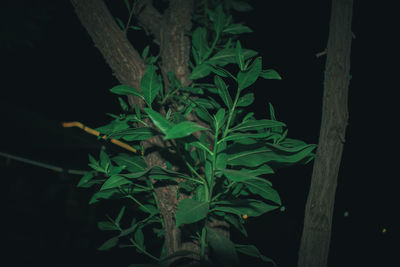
[[63, 77]]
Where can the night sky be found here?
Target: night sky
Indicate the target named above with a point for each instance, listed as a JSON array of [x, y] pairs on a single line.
[[62, 77]]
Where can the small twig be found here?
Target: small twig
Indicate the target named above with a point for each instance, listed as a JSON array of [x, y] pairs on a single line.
[[320, 54]]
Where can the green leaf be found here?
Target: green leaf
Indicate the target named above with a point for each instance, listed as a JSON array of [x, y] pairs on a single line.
[[107, 226], [253, 157], [83, 182], [132, 163], [159, 121], [183, 129], [239, 56], [219, 118], [190, 211], [223, 248], [127, 4], [228, 55], [234, 220], [126, 90], [248, 77], [105, 161], [240, 135], [245, 100], [134, 134], [222, 72], [223, 91], [139, 238], [200, 71], [120, 214], [252, 251], [256, 125], [123, 104], [115, 181], [241, 6], [110, 243], [263, 188], [250, 207], [199, 42], [237, 29], [150, 84], [219, 19], [256, 185], [120, 23], [270, 74], [145, 52]]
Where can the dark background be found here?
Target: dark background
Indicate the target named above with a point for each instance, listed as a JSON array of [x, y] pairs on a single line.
[[51, 72]]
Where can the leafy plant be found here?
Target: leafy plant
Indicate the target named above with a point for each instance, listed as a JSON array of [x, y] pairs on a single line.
[[218, 162]]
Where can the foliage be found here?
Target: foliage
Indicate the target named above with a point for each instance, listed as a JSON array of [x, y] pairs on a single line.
[[220, 162]]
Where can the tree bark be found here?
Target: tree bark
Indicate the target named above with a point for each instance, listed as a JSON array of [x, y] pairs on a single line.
[[168, 30], [315, 241]]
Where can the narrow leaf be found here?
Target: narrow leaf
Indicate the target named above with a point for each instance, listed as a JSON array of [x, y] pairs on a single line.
[[223, 91], [159, 121], [126, 90], [150, 84], [110, 243], [115, 181], [183, 129], [270, 74], [256, 125], [248, 77]]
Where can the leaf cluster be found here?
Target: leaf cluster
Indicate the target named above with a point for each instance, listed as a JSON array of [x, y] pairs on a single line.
[[223, 159]]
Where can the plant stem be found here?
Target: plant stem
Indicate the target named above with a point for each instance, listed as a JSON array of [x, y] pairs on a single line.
[[203, 242], [143, 251], [138, 202], [231, 114]]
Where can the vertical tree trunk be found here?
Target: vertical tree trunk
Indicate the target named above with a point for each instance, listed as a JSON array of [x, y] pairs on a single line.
[[314, 247]]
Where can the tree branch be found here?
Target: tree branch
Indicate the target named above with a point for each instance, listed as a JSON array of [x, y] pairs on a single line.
[[125, 62], [149, 18], [175, 45]]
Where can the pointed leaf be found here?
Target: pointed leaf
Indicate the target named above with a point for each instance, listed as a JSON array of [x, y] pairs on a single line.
[[256, 125], [270, 74], [190, 211], [240, 56], [250, 207], [132, 163], [120, 214], [228, 55], [248, 77], [246, 100], [159, 121], [252, 251], [237, 29], [126, 90], [107, 226], [223, 91], [115, 181], [110, 243], [83, 182], [150, 84], [183, 129], [200, 71]]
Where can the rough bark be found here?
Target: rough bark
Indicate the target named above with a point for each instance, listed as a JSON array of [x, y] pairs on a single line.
[[315, 241]]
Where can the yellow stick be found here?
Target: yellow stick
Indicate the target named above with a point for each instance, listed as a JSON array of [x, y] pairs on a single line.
[[96, 133]]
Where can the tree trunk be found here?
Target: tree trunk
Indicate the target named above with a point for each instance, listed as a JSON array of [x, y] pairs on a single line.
[[314, 247], [169, 31]]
